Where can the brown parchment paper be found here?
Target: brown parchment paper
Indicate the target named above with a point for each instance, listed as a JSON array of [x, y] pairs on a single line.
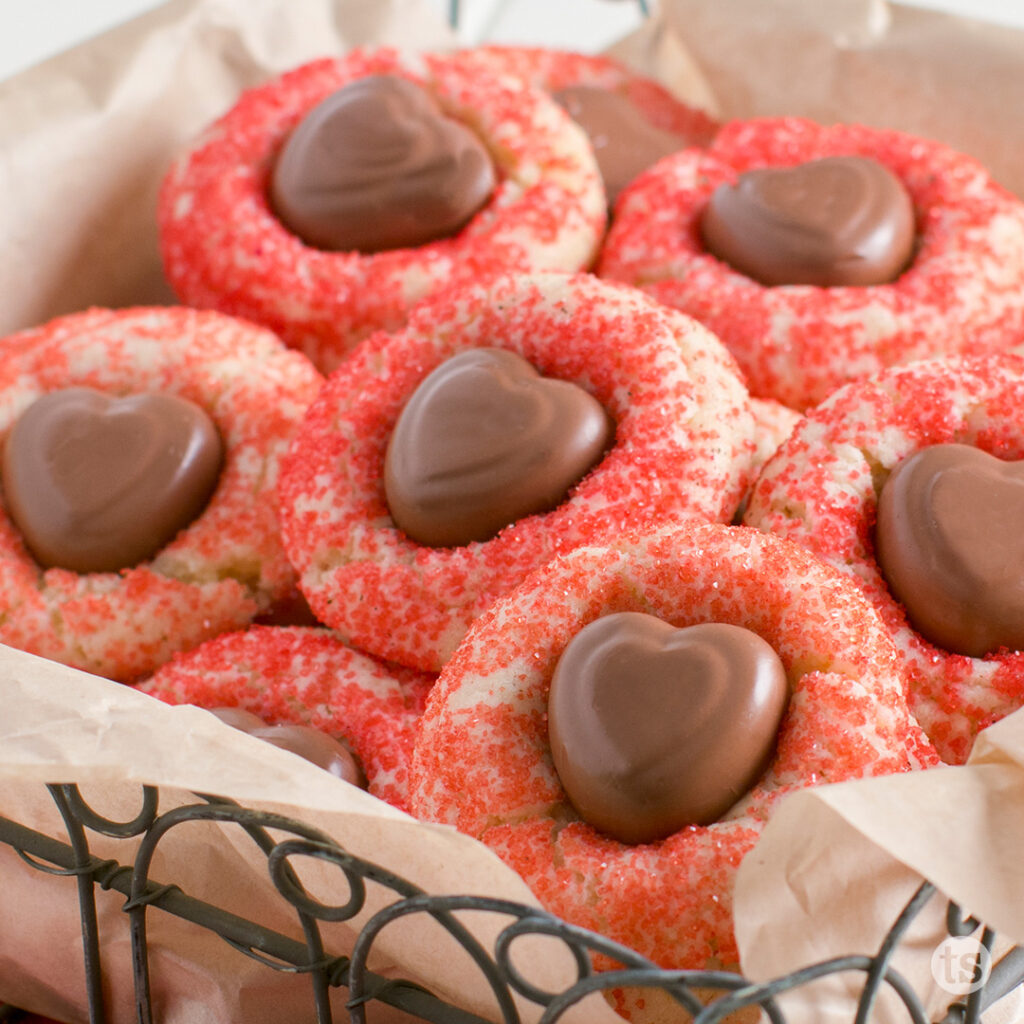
[[890, 65], [61, 725], [962, 828], [84, 139]]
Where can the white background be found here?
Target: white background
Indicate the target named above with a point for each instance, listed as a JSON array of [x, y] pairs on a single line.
[[31, 30]]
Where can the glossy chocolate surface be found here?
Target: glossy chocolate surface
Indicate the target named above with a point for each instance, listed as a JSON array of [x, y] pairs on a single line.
[[949, 541], [239, 718], [486, 440], [97, 483], [378, 165], [654, 728], [314, 746], [841, 220], [624, 141]]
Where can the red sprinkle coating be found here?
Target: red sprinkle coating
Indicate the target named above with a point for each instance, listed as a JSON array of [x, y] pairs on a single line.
[[683, 447], [224, 249], [963, 293], [773, 423], [821, 490], [228, 564], [552, 70], [304, 677], [482, 761]]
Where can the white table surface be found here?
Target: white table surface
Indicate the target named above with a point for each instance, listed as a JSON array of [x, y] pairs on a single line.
[[31, 30]]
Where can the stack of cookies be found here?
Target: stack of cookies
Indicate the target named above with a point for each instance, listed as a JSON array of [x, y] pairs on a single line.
[[591, 473]]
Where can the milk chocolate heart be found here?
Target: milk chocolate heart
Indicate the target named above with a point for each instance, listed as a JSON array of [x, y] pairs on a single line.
[[654, 728], [378, 165], [485, 440], [96, 483], [843, 220], [314, 746], [950, 543], [624, 141]]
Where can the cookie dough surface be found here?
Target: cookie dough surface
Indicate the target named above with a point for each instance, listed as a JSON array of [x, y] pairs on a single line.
[[553, 70], [301, 676], [773, 423], [223, 247], [483, 762], [223, 568], [962, 293], [683, 448], [821, 491]]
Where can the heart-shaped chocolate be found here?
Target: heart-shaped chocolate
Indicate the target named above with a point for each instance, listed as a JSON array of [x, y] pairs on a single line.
[[654, 728], [314, 746], [949, 541], [843, 220], [378, 165], [96, 483], [624, 141], [485, 440]]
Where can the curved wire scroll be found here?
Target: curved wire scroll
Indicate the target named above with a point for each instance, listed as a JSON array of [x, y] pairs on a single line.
[[281, 840]]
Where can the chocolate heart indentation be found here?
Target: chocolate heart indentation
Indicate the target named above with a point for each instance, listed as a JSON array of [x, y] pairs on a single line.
[[378, 165], [654, 728], [837, 221], [949, 542], [485, 440], [624, 141], [96, 483]]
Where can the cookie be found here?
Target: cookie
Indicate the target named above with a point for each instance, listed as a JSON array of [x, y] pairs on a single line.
[[682, 448], [631, 120], [484, 762], [307, 677], [83, 420], [225, 246], [822, 490], [773, 423], [961, 291]]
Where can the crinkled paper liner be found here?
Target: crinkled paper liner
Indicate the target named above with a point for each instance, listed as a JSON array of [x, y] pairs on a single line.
[[61, 725], [86, 138]]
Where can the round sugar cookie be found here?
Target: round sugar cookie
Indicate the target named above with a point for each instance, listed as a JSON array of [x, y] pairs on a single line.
[[682, 447], [224, 248], [773, 423], [483, 761], [227, 564], [963, 291], [637, 122], [821, 490], [306, 676], [552, 70]]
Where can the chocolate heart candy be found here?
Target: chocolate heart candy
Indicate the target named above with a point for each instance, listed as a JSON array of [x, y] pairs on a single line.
[[950, 543], [624, 141], [239, 718], [314, 746], [377, 165], [843, 220], [96, 483], [485, 440], [654, 728]]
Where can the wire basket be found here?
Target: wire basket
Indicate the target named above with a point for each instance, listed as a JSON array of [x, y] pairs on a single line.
[[71, 857]]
